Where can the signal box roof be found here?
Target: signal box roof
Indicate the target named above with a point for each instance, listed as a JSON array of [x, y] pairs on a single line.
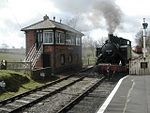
[[50, 24]]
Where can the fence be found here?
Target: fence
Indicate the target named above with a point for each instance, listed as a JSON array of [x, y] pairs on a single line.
[[19, 66], [139, 67], [26, 66], [88, 61]]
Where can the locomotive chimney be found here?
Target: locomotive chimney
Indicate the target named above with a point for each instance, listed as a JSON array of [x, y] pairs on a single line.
[[54, 18], [110, 36], [45, 17]]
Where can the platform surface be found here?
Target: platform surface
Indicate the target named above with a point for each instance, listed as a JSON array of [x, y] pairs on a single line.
[[132, 96]]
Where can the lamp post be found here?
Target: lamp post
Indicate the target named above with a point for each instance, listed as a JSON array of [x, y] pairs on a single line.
[[144, 37]]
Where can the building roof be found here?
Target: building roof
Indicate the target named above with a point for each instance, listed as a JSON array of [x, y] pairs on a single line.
[[49, 24]]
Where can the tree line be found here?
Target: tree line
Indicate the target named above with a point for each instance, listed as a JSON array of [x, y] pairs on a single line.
[[139, 39]]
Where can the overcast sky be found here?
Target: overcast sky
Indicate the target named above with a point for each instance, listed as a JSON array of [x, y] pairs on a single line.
[[126, 16]]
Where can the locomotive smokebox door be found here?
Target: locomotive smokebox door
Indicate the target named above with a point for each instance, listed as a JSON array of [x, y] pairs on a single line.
[[144, 65]]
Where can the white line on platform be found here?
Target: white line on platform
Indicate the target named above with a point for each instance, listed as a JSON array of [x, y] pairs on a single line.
[[128, 96], [108, 100]]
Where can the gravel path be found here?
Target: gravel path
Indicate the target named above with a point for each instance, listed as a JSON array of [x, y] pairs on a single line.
[[55, 102]]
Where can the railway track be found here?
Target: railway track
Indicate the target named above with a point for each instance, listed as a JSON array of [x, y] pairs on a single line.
[[26, 99], [69, 94], [58, 101], [91, 99], [29, 98]]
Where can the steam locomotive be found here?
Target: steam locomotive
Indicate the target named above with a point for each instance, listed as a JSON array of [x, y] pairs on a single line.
[[114, 55]]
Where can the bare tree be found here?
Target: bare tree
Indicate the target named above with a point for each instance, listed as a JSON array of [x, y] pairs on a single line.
[[139, 39], [148, 39], [100, 42], [4, 47], [72, 22], [88, 45]]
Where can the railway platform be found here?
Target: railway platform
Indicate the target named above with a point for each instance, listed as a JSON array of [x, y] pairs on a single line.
[[131, 95]]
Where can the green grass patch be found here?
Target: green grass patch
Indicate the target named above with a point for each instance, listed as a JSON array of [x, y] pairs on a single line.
[[25, 87], [17, 83], [12, 57], [13, 80]]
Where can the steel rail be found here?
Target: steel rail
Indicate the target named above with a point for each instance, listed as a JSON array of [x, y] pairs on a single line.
[[19, 96], [31, 91], [45, 96], [80, 97]]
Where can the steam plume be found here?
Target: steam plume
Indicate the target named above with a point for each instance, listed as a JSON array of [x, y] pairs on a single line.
[[110, 11], [93, 11]]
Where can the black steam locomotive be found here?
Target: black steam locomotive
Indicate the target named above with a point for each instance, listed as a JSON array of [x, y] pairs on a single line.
[[115, 51]]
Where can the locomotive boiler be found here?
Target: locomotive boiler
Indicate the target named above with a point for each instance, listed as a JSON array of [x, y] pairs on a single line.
[[116, 52]]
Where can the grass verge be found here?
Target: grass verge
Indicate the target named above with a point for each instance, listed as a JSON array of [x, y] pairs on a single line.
[[17, 83]]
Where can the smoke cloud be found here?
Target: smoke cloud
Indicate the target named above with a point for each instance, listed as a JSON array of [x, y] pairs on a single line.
[[110, 11], [96, 12]]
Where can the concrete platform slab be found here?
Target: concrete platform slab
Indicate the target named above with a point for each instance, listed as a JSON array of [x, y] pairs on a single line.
[[132, 96]]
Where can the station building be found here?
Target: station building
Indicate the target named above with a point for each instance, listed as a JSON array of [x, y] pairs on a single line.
[[53, 44]]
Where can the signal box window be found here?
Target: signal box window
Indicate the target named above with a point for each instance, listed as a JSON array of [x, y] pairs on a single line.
[[48, 37], [70, 39], [39, 38], [60, 38], [78, 41]]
